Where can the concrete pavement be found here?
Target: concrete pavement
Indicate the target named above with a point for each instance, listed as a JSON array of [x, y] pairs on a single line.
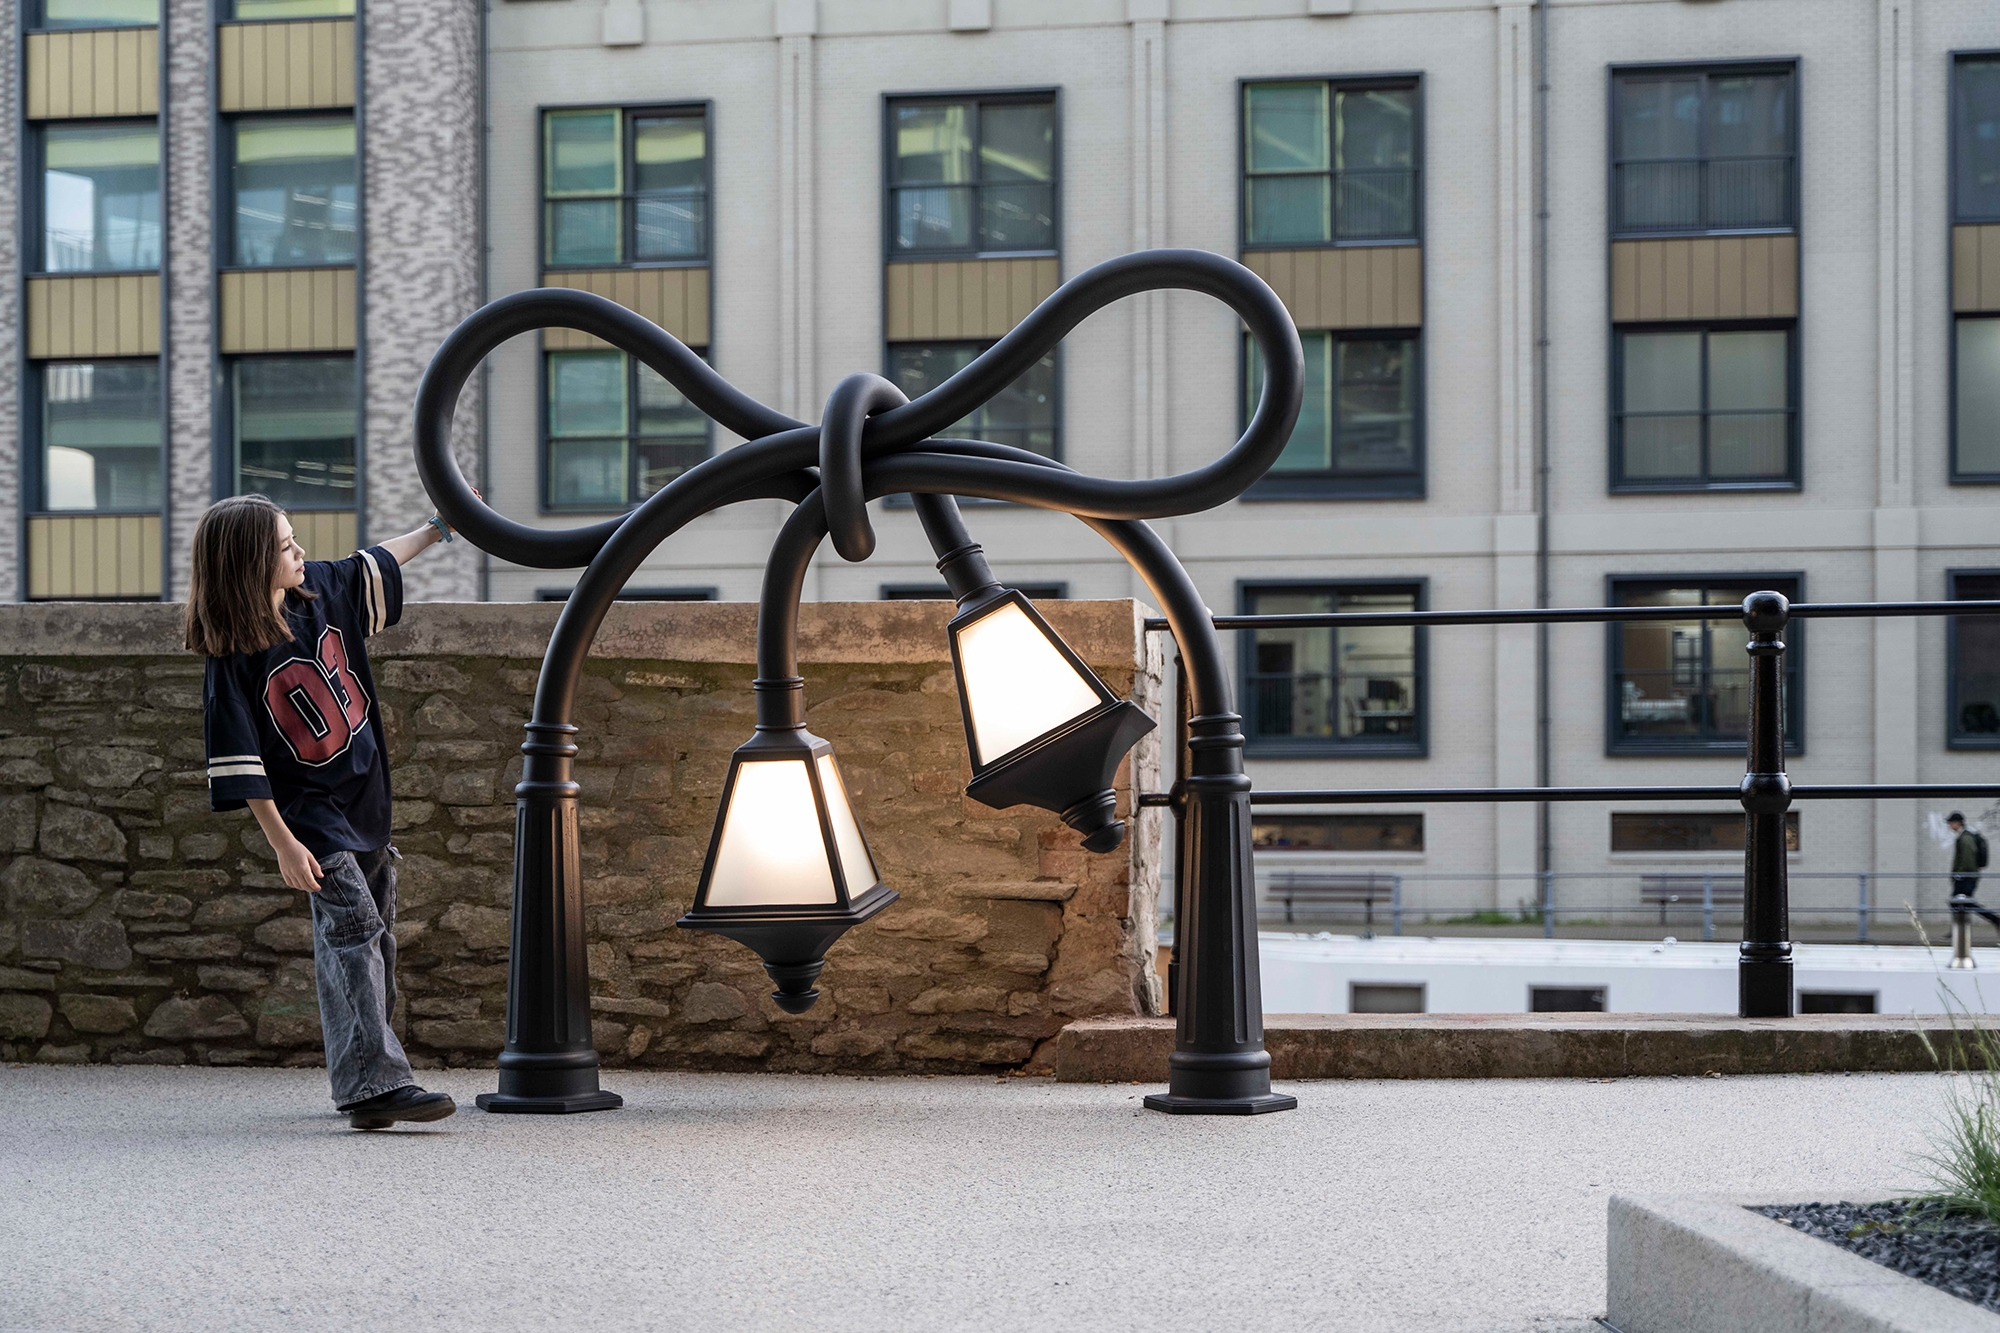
[[217, 1200]]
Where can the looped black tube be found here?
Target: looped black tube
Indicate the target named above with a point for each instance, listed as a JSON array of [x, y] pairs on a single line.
[[848, 408]]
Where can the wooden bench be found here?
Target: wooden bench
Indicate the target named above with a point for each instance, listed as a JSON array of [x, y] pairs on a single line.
[[1327, 888], [1675, 889]]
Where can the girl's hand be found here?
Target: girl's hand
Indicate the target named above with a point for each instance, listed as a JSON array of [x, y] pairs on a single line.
[[299, 866]]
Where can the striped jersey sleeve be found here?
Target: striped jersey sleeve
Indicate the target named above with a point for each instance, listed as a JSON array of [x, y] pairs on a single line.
[[229, 729], [378, 588]]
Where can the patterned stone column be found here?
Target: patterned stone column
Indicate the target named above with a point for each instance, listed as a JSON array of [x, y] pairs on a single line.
[[10, 307], [420, 267], [188, 131]]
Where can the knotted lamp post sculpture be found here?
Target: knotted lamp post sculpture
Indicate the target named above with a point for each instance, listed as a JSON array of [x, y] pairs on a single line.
[[788, 867]]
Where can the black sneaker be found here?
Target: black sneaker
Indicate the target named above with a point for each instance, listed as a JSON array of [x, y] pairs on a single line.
[[410, 1103]]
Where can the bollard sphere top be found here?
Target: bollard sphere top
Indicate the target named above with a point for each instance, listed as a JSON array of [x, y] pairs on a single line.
[[1765, 612]]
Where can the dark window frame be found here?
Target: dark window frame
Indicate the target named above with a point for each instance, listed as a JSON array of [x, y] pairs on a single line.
[[224, 465], [34, 244], [1415, 746], [984, 345], [1793, 833], [545, 505], [224, 161], [1331, 483], [1620, 484], [1053, 591], [1960, 476], [1955, 738], [1618, 585], [1959, 59], [1334, 818], [979, 97], [628, 216], [34, 18], [1410, 79], [1707, 69], [33, 477]]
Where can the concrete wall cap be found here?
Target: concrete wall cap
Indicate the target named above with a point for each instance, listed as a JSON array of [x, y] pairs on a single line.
[[1108, 634]]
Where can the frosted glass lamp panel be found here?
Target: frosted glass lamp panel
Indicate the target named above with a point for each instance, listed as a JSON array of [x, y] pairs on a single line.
[[771, 852], [855, 862], [1017, 685]]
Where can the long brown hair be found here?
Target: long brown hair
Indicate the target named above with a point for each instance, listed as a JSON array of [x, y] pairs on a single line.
[[229, 606]]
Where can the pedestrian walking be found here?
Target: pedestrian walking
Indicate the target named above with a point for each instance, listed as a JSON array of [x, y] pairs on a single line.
[[1968, 858], [294, 732]]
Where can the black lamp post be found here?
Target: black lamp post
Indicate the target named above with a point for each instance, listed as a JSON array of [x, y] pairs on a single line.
[[788, 869]]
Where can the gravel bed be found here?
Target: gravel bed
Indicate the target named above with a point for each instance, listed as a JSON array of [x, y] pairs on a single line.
[[1951, 1251]]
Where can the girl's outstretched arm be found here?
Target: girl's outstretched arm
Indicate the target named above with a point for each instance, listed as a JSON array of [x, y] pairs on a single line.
[[415, 543]]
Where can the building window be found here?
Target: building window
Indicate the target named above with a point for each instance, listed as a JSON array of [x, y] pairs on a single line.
[[625, 186], [1973, 694], [1704, 408], [972, 175], [100, 429], [1326, 162], [97, 14], [1359, 431], [1689, 831], [100, 197], [1975, 130], [294, 419], [292, 183], [1565, 999], [1975, 444], [290, 9], [617, 431], [1703, 151], [1022, 415], [1681, 685], [1338, 833], [1352, 689]]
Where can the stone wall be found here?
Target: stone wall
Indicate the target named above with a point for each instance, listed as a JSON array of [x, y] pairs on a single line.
[[140, 928]]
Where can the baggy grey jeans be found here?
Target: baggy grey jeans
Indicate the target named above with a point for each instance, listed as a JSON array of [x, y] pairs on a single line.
[[354, 959]]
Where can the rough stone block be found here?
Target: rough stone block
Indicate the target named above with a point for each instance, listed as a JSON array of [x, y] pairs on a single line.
[[485, 1035], [24, 1017], [140, 905], [240, 909], [106, 765], [288, 934], [43, 682], [204, 846], [21, 978], [24, 773], [71, 834], [63, 1055], [420, 676], [17, 823], [96, 944], [207, 1018], [438, 1006], [98, 1013], [472, 786], [712, 1002], [479, 927], [36, 887], [439, 716], [608, 1037], [189, 947], [232, 978]]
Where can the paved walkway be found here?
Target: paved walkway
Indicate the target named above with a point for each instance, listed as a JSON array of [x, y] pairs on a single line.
[[223, 1200]]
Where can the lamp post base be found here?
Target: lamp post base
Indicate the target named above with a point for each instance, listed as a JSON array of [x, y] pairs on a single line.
[[1254, 1104], [503, 1103], [1764, 987]]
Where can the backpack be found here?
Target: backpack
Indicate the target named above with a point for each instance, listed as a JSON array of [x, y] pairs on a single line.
[[1979, 852]]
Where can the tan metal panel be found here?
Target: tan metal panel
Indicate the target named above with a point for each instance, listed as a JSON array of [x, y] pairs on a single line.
[[102, 53], [62, 317], [38, 319], [125, 74], [149, 555], [1409, 285], [343, 308], [131, 563], [127, 311], [993, 299], [953, 319], [149, 71], [1756, 279], [1384, 303], [251, 77], [1784, 275], [1651, 275], [975, 314], [1701, 278], [62, 76], [1729, 277], [698, 299], [104, 557], [323, 307], [1330, 267], [923, 301], [343, 64], [1674, 281], [896, 302], [229, 64], [288, 310], [298, 49], [1989, 269], [80, 540], [298, 298], [229, 300], [322, 61], [1964, 268], [39, 557], [104, 314], [37, 99]]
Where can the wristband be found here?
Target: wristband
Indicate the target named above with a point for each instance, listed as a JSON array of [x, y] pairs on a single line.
[[444, 529]]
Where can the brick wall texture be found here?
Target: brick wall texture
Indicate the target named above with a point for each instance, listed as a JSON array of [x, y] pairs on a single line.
[[137, 927]]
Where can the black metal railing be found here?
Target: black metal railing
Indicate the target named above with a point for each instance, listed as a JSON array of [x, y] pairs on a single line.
[[1765, 793]]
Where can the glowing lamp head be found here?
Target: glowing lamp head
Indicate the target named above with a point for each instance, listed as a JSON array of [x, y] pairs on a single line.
[[788, 870], [1043, 730]]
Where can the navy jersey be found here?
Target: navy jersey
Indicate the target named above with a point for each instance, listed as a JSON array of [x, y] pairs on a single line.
[[298, 723]]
